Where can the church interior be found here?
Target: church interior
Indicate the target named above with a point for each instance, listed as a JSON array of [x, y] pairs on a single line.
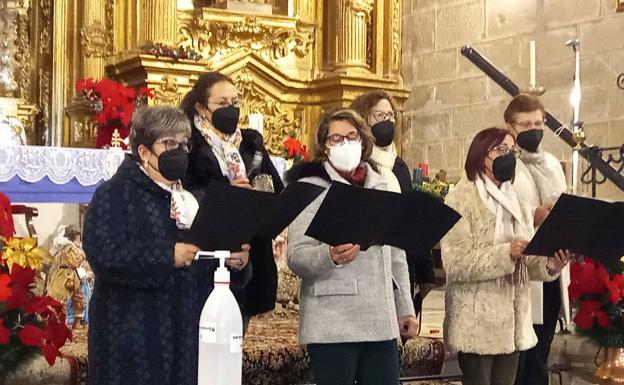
[[452, 66]]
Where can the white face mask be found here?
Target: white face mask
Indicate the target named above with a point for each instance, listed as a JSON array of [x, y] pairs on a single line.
[[345, 157]]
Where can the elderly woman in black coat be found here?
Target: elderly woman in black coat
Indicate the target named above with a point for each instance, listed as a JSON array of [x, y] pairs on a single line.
[[225, 153], [148, 292]]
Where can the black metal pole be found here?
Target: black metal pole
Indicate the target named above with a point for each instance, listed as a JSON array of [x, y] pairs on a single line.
[[563, 132]]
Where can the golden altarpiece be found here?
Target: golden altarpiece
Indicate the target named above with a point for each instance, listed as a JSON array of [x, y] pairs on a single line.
[[290, 59]]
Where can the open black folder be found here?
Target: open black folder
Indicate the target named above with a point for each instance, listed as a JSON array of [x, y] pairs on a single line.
[[413, 221], [586, 226], [230, 216]]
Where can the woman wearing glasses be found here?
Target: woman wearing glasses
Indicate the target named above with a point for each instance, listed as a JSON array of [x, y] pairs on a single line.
[[148, 292], [380, 111], [488, 315], [225, 153], [350, 299]]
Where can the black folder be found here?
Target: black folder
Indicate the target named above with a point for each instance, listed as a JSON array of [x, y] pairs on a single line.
[[413, 221], [229, 216], [585, 226]]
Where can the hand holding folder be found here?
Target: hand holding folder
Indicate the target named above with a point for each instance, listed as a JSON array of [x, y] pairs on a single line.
[[414, 221], [584, 226], [230, 216]]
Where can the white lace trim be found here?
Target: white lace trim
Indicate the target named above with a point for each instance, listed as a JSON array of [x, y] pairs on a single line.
[[59, 164]]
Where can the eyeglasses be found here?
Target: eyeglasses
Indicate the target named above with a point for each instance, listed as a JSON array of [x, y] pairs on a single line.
[[503, 149], [338, 140], [380, 116], [172, 144], [225, 103], [526, 125]]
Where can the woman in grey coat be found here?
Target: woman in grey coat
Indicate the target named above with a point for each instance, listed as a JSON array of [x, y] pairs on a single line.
[[354, 303]]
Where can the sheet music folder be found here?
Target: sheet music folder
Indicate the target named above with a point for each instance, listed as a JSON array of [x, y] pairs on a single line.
[[586, 226], [413, 221], [229, 216]]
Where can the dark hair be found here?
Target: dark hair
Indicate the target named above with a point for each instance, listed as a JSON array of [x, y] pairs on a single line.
[[365, 103], [348, 115], [199, 92], [71, 232], [482, 143], [152, 123], [522, 103]]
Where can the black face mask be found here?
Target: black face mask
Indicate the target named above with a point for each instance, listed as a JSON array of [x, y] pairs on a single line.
[[172, 164], [530, 139], [504, 167], [225, 119], [383, 132]]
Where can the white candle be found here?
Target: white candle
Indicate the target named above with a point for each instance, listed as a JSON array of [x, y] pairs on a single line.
[[532, 81], [256, 122]]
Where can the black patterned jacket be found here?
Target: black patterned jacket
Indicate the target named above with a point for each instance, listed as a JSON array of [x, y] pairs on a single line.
[[144, 312]]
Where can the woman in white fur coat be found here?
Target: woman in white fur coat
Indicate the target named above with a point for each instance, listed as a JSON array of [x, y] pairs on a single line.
[[488, 307]]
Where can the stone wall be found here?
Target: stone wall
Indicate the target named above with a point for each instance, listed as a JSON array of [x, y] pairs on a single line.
[[451, 99]]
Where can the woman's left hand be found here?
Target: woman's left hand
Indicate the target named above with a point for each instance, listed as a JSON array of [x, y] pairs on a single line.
[[408, 327], [240, 259], [558, 261]]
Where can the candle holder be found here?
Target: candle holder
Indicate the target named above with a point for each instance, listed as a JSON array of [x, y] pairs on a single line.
[[537, 91], [578, 135]]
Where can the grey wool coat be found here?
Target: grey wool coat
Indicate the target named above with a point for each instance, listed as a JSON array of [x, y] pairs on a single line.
[[357, 302]]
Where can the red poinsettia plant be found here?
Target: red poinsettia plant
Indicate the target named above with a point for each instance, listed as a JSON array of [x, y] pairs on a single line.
[[29, 323], [598, 294], [293, 149], [112, 104]]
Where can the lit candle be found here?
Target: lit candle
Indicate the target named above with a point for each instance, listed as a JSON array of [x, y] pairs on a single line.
[[532, 82]]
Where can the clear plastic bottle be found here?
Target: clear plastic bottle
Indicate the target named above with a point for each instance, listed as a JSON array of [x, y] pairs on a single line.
[[220, 332]]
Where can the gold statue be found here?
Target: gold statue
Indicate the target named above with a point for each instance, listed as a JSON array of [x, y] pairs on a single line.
[[70, 277]]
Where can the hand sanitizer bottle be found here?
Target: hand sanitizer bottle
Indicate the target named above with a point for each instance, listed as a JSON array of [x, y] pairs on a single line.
[[220, 332]]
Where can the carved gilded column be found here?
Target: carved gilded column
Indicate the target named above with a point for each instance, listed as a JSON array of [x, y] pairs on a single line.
[[158, 21], [353, 16], [95, 39]]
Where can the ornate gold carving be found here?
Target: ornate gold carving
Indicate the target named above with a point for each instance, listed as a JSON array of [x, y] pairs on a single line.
[[396, 34], [168, 92], [44, 101], [96, 40], [22, 57], [45, 38], [249, 34], [279, 121]]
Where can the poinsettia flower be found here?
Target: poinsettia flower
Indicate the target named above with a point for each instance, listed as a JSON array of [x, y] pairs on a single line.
[[50, 352], [30, 335], [144, 91], [21, 279], [56, 332], [589, 311], [293, 147], [5, 290], [42, 305], [5, 334], [614, 292], [84, 85]]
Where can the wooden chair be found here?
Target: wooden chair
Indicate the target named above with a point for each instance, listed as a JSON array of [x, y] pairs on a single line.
[[29, 213]]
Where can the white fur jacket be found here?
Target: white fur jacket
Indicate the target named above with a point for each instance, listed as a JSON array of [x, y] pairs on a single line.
[[484, 316]]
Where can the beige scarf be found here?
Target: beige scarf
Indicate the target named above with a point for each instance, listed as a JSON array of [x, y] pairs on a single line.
[[384, 158], [183, 207], [503, 203], [225, 148]]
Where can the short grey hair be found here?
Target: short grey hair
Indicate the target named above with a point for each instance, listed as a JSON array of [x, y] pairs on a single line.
[[152, 123]]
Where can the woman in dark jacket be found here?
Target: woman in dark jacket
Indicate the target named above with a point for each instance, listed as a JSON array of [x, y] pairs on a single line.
[[380, 111], [148, 294], [225, 153]]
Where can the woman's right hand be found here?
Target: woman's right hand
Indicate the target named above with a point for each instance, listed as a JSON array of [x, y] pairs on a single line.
[[344, 254], [517, 247], [241, 182], [184, 254]]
